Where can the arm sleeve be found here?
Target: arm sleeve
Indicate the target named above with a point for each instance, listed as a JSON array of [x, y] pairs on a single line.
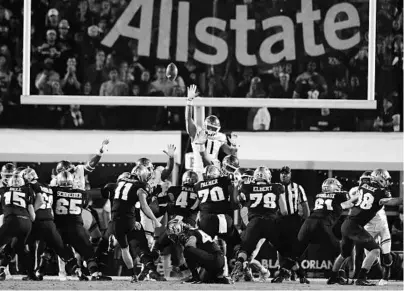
[[302, 195]]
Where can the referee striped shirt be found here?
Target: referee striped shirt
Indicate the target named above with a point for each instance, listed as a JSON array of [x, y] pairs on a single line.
[[294, 195]]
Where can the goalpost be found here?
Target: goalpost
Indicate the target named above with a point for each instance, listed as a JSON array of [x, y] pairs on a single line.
[[200, 103]]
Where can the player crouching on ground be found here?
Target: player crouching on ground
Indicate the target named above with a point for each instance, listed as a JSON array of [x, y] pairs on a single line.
[[199, 251]]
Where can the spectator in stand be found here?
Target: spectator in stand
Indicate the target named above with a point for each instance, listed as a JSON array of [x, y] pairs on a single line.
[[70, 83], [52, 21], [46, 77], [323, 120], [245, 84], [72, 118], [124, 74], [162, 84], [310, 84], [258, 118], [144, 84], [282, 118], [97, 73], [114, 87], [389, 119]]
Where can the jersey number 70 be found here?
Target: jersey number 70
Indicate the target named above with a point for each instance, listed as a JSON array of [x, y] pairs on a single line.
[[216, 194]]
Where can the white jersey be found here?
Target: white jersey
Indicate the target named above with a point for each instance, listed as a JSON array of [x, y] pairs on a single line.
[[79, 180], [211, 145]]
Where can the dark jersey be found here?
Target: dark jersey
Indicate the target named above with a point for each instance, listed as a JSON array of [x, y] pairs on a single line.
[[185, 201], [3, 184], [45, 211], [15, 200], [204, 241], [328, 205], [162, 200], [126, 198], [108, 191], [68, 204], [367, 205], [214, 195], [261, 198]]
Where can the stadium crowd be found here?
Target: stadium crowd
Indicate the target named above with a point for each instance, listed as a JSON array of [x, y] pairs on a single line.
[[67, 58]]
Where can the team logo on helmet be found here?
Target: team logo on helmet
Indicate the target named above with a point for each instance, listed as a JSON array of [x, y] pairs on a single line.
[[211, 125], [16, 181], [365, 178], [64, 179], [230, 164], [7, 172], [382, 177], [262, 174], [64, 166], [189, 178], [29, 175], [331, 185], [141, 173], [212, 172]]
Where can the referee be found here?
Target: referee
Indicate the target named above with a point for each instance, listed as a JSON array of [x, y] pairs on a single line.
[[290, 224]]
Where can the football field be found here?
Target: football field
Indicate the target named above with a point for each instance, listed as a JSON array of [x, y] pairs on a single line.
[[123, 283]]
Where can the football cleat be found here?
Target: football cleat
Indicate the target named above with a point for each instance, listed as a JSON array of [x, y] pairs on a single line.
[[230, 164], [262, 174], [212, 172], [16, 181], [29, 175], [211, 125], [64, 179], [237, 272], [382, 177], [189, 178], [364, 282], [331, 185], [142, 173]]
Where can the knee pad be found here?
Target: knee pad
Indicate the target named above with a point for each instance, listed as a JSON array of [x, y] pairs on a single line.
[[387, 260]]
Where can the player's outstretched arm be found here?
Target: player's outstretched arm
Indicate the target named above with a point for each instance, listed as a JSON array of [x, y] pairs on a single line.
[[232, 147], [92, 163], [391, 201], [282, 204], [189, 122], [170, 164]]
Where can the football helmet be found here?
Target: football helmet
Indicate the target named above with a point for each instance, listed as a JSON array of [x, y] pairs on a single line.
[[381, 177], [64, 179], [64, 166], [7, 171], [365, 178], [331, 185], [230, 164], [19, 170], [29, 175], [145, 162], [16, 181], [243, 174], [211, 125], [262, 174], [124, 175], [189, 178], [212, 172], [142, 173]]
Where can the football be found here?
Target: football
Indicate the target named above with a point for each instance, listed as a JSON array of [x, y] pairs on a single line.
[[172, 72]]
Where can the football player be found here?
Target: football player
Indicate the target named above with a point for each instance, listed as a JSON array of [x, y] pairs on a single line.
[[17, 201], [6, 173], [208, 140], [216, 207], [367, 204], [263, 200], [200, 250], [127, 229], [183, 207], [79, 182], [67, 207], [230, 165], [318, 227], [44, 229], [378, 227], [157, 180]]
